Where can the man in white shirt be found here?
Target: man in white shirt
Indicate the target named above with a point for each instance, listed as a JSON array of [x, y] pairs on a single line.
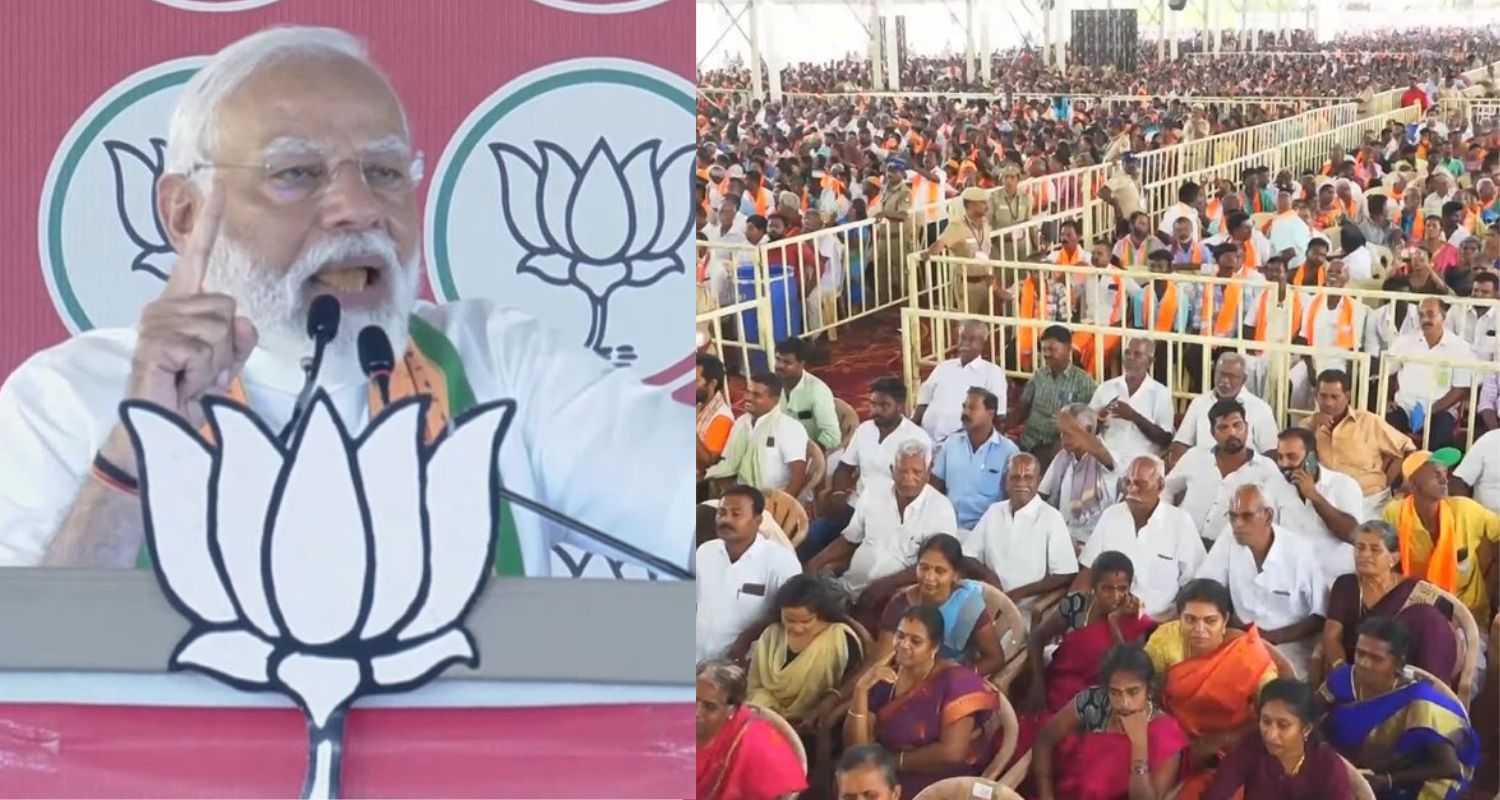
[[1330, 321], [1274, 580], [1135, 410], [1427, 395], [1081, 480], [940, 401], [729, 228], [767, 448], [1229, 384], [253, 253], [1204, 480], [1022, 539], [1477, 323], [890, 522], [1478, 476], [1160, 539], [739, 573], [1188, 202], [1322, 504], [866, 463]]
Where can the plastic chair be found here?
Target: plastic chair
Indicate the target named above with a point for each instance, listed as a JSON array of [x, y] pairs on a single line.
[[1357, 783], [787, 732], [1466, 631], [789, 514], [963, 789], [817, 467], [1284, 666], [1009, 730], [1010, 626], [848, 421]]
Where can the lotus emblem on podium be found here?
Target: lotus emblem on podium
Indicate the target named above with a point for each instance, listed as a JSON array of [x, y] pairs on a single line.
[[327, 569]]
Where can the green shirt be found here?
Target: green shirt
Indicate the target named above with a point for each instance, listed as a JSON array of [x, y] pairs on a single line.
[[810, 402], [1046, 394]]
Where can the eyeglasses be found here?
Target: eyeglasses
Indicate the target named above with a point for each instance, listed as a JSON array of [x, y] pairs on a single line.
[[295, 179]]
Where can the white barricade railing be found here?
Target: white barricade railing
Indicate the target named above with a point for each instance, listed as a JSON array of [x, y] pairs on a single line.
[[738, 323], [1467, 408]]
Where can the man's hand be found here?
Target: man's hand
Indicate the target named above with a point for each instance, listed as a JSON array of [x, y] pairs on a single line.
[[1122, 410], [190, 343], [1305, 483]]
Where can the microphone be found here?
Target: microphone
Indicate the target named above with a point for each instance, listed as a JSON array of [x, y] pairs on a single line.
[[322, 326], [377, 359]]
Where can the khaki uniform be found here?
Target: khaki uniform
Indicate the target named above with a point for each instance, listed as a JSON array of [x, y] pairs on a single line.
[[971, 283], [1007, 209], [896, 238]]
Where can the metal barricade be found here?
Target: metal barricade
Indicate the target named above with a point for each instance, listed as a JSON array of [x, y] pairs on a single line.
[[1476, 372], [738, 327]]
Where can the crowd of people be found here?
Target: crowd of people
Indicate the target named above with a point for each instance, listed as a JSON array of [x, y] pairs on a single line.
[[1206, 602]]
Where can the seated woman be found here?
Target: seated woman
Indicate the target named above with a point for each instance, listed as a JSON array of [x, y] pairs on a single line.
[[1111, 742], [1378, 589], [969, 634], [740, 755], [1410, 735], [799, 660], [1090, 623], [929, 711], [1288, 760], [866, 772], [1212, 674]]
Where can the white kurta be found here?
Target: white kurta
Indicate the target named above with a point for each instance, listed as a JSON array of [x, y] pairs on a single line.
[[1165, 553], [946, 389], [588, 440]]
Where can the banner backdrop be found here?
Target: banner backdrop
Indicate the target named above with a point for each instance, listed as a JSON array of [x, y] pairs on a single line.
[[557, 136]]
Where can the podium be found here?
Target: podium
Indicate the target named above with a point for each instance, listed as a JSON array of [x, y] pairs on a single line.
[[584, 688]]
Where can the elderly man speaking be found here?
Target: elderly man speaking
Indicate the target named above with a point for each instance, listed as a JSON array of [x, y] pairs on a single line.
[[290, 173]]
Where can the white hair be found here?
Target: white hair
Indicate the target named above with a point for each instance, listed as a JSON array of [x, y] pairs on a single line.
[[909, 448], [192, 135], [1083, 415], [1230, 357], [1157, 465]]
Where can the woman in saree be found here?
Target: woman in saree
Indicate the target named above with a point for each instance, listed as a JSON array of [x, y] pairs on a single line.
[[1090, 623], [932, 713], [1409, 735], [1378, 589], [740, 755], [1212, 677], [807, 653], [969, 634], [1288, 760], [1112, 742]]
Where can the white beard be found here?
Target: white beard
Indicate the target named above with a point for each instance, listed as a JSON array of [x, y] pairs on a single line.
[[275, 303]]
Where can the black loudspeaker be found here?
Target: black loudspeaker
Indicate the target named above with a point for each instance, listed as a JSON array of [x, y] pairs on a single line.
[[1104, 38]]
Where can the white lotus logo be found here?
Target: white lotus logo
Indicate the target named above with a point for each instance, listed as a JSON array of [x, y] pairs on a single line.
[[336, 568], [600, 226]]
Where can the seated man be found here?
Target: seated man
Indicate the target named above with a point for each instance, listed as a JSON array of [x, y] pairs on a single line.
[[1329, 321], [1058, 383], [1479, 474], [767, 449], [1022, 540], [1407, 733], [1275, 581], [1357, 443], [1449, 560], [804, 396], [1165, 306], [739, 573], [1211, 676], [715, 419], [890, 521], [1081, 482], [941, 399], [866, 462], [1158, 537], [1204, 481], [1135, 410], [1427, 395], [1197, 429], [970, 466], [1323, 504]]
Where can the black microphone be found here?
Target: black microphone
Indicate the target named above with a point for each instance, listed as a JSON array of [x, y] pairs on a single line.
[[377, 359], [322, 327]]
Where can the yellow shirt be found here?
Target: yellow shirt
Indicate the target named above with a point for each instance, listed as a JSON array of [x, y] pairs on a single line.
[[1359, 446], [1472, 524], [1167, 648]]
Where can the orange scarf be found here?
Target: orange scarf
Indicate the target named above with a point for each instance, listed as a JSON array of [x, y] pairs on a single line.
[[1344, 336], [1260, 314], [1215, 693], [1165, 318], [1228, 315], [1069, 260], [1442, 564], [1299, 278]]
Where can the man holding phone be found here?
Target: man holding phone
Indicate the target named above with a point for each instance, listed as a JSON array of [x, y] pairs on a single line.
[[1323, 504]]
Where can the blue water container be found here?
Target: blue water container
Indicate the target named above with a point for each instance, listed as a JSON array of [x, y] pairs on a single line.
[[782, 284]]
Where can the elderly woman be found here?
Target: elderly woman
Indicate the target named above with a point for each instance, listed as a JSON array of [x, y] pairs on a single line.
[[930, 711], [1212, 674], [1288, 760], [1378, 589], [740, 755], [1089, 624], [1111, 741], [867, 772], [969, 634], [1081, 480], [806, 653], [1410, 735]]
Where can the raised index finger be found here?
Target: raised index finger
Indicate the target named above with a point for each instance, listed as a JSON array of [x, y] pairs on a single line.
[[187, 273]]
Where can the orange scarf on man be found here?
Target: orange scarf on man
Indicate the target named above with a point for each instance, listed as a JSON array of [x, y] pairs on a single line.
[[1442, 564], [1344, 333], [1260, 314], [1165, 318], [1229, 314]]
